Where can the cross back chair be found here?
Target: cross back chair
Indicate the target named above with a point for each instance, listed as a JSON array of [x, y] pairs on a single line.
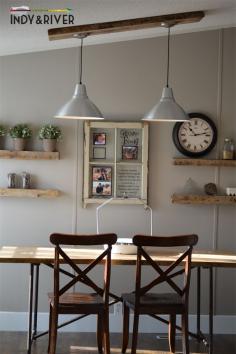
[[142, 302], [97, 302]]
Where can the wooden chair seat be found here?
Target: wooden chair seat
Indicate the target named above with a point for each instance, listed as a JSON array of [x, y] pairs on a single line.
[[154, 301], [76, 299]]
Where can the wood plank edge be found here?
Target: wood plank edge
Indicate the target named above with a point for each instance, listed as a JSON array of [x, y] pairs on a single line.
[[29, 193], [203, 162], [203, 199], [29, 155], [124, 25]]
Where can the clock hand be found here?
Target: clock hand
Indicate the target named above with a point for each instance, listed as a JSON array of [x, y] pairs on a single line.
[[196, 134], [191, 129]]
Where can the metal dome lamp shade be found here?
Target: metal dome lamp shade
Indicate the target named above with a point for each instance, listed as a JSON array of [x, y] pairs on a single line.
[[167, 109], [80, 106]]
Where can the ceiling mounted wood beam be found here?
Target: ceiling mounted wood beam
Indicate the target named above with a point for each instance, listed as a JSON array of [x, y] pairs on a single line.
[[124, 25]]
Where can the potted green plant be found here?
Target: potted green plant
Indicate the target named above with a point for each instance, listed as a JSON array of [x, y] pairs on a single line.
[[50, 134], [2, 133], [20, 133]]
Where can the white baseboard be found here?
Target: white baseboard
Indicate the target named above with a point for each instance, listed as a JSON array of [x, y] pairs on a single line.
[[18, 321]]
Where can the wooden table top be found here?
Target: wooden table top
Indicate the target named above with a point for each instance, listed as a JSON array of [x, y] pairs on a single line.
[[37, 255]]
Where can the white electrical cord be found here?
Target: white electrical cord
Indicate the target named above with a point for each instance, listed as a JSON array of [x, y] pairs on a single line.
[[97, 212], [108, 201], [151, 220]]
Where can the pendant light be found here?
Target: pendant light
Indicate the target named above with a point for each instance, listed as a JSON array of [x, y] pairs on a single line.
[[80, 106], [166, 110]]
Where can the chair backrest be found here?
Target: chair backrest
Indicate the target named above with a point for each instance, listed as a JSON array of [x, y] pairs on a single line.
[[79, 275], [165, 275]]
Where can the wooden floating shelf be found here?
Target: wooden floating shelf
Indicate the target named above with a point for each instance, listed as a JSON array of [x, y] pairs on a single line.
[[29, 155], [203, 199], [203, 162], [29, 193]]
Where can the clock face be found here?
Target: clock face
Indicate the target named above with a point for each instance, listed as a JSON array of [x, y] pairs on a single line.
[[195, 137]]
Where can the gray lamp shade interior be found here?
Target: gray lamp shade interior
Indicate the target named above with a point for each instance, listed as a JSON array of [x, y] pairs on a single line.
[[167, 110], [80, 106]]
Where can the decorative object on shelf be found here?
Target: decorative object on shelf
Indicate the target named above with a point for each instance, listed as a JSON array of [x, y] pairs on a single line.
[[2, 130], [228, 149], [102, 181], [99, 138], [191, 187], [210, 189], [129, 152], [20, 133], [11, 177], [167, 109], [231, 191], [99, 153], [2, 134], [196, 137], [25, 180], [50, 134], [80, 106]]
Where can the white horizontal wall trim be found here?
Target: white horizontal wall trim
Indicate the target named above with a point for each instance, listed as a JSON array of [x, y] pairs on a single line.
[[17, 321]]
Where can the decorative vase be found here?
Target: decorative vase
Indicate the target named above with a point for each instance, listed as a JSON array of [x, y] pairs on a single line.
[[49, 145], [19, 144]]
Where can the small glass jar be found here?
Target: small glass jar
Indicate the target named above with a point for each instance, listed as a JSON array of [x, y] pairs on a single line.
[[228, 149], [11, 177], [25, 180]]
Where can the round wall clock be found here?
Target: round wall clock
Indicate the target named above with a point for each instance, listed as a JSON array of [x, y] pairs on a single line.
[[195, 137]]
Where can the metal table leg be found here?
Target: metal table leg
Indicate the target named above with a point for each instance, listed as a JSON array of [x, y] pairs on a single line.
[[206, 340], [30, 308], [199, 303], [36, 291], [211, 303]]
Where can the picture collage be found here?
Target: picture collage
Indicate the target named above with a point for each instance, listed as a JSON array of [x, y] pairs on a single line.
[[102, 174]]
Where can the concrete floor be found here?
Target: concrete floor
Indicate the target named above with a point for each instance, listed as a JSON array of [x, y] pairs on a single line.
[[85, 343]]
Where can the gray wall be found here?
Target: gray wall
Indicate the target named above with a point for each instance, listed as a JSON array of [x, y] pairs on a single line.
[[125, 80]]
